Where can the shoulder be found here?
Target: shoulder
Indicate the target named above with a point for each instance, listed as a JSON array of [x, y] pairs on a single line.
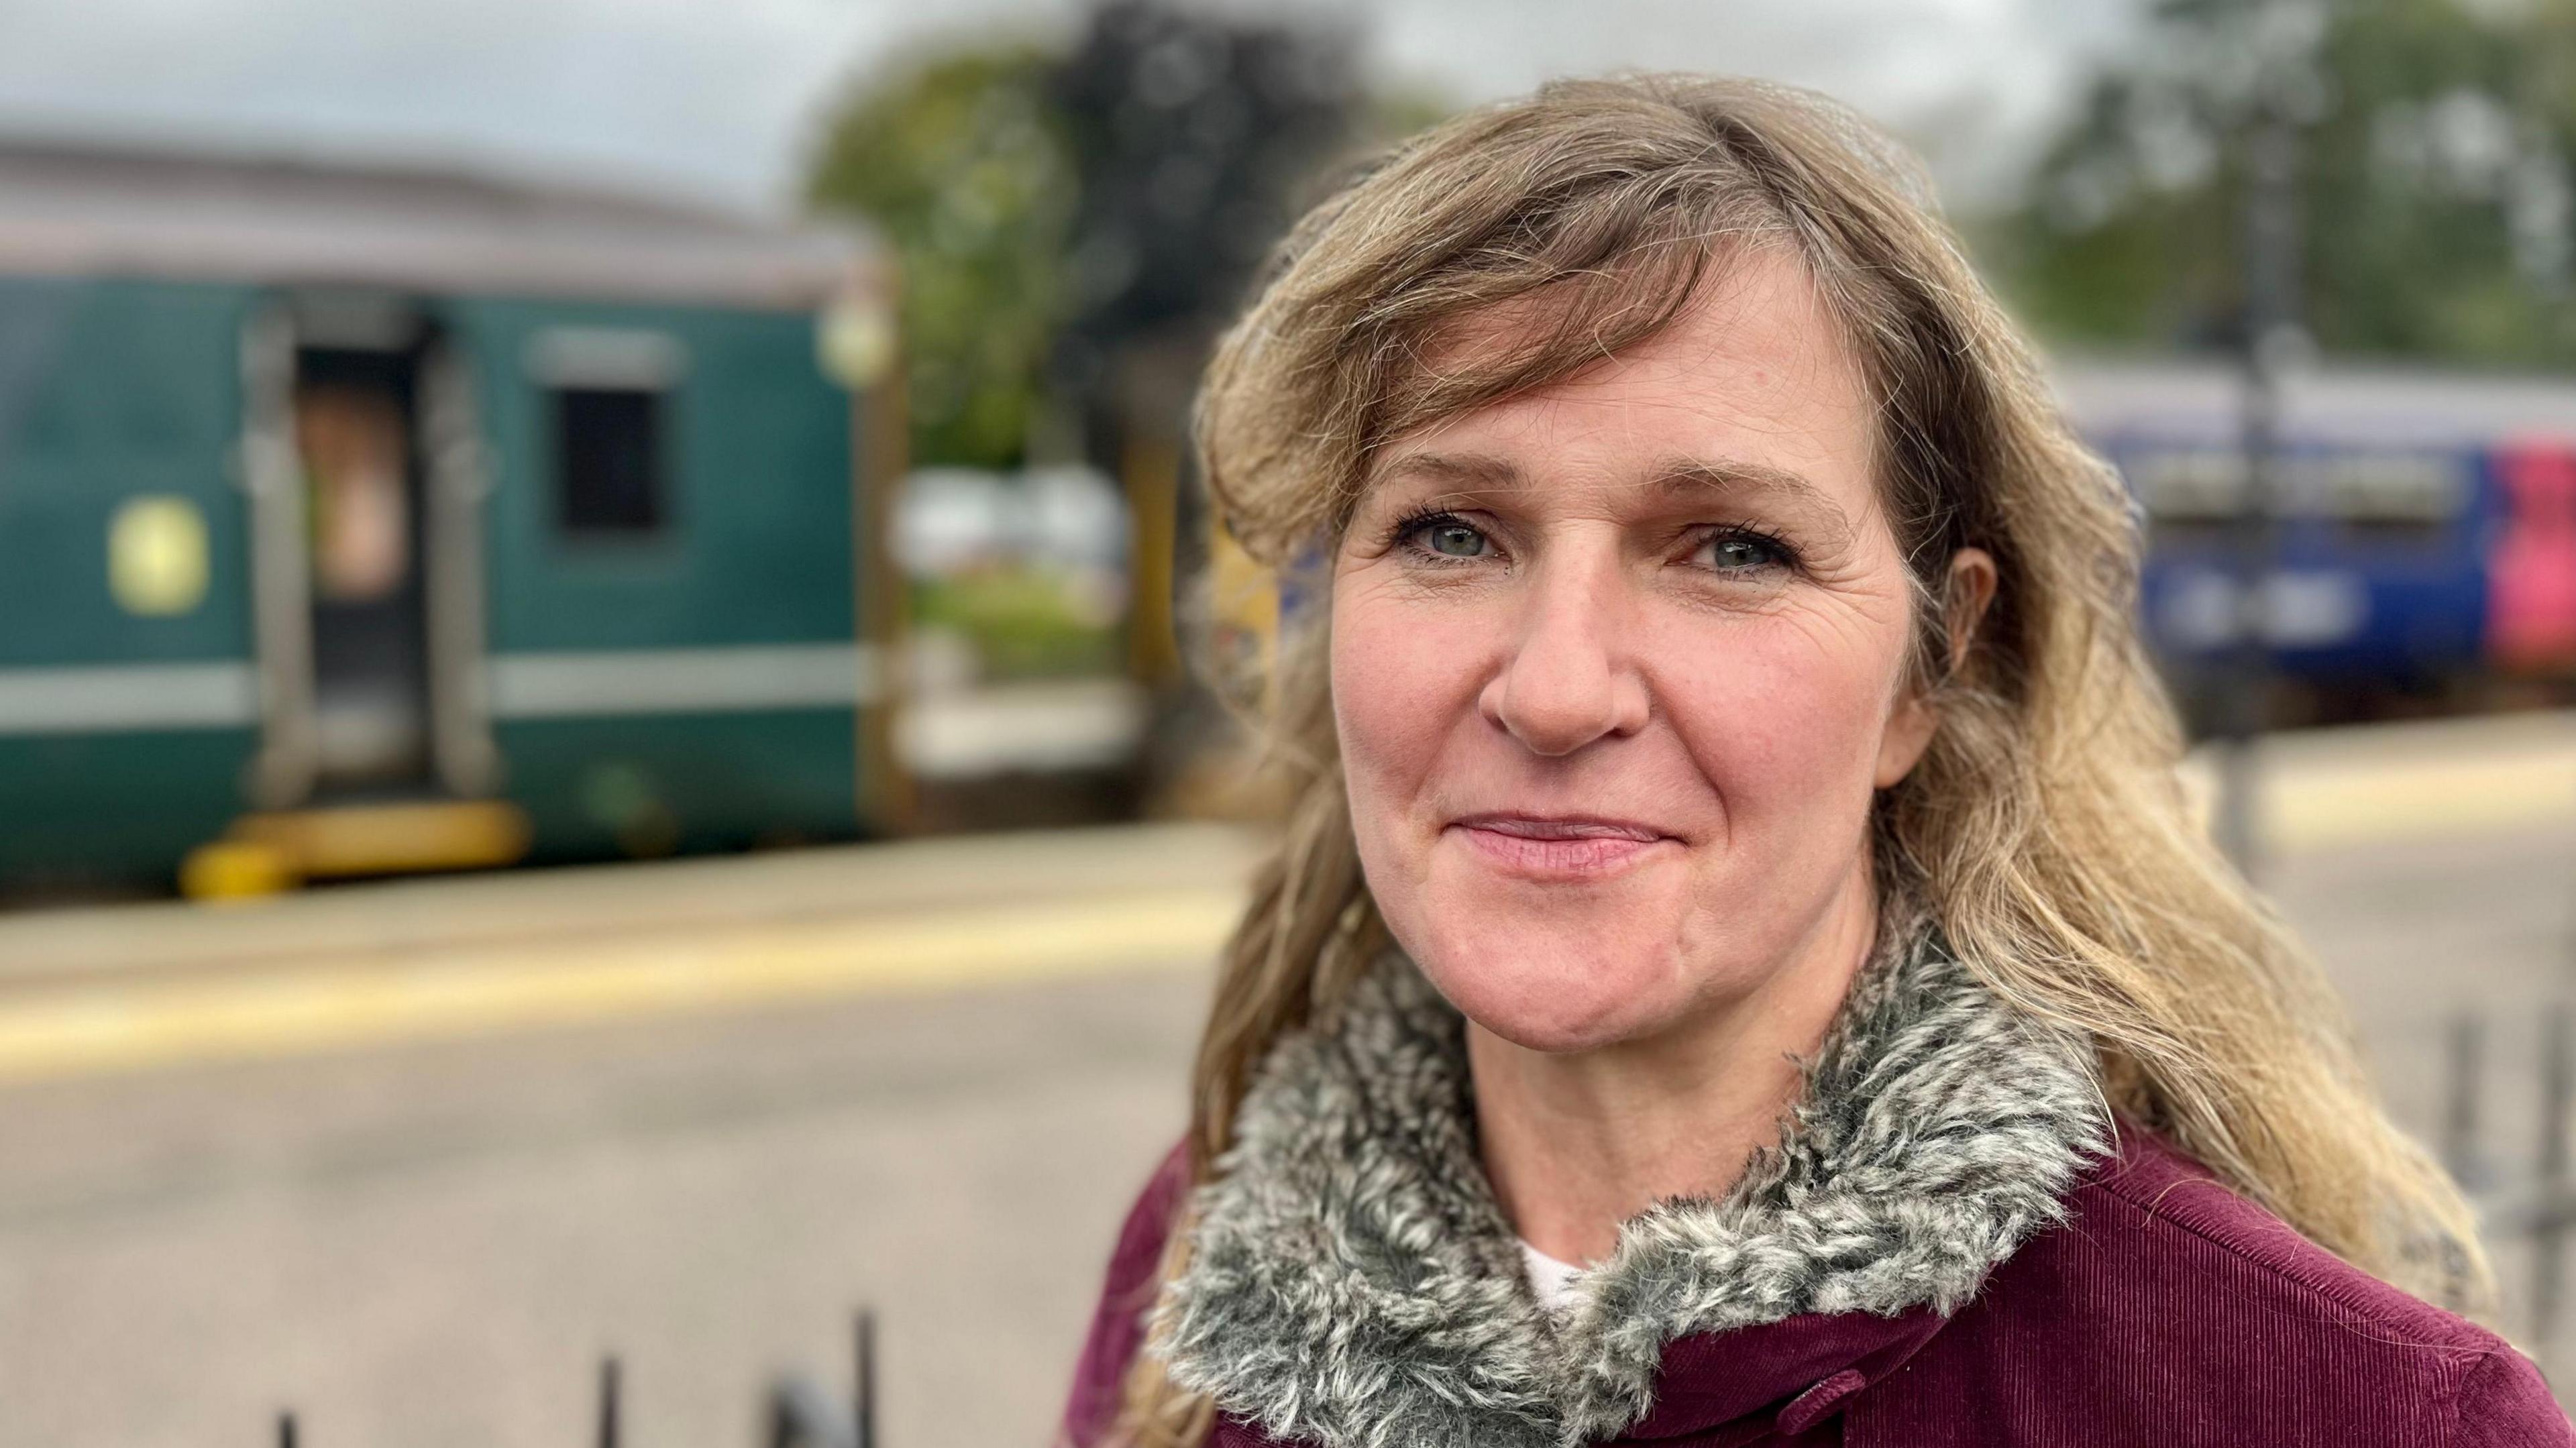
[[2152, 1206], [1126, 1295], [2162, 1275]]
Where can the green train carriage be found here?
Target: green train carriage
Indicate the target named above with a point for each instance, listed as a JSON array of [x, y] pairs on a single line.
[[357, 519]]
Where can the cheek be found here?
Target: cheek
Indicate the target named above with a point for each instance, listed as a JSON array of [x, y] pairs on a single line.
[[1786, 716], [1404, 677]]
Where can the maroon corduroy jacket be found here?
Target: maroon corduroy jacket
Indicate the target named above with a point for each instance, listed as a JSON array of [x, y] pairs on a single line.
[[2167, 1312]]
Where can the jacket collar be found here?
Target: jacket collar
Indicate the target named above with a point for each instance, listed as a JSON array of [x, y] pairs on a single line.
[[1351, 1281]]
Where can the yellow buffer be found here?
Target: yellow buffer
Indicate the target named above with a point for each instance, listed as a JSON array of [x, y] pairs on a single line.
[[263, 853]]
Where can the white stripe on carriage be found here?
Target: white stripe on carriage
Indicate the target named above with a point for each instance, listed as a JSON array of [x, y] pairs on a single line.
[[95, 697], [680, 681], [225, 694]]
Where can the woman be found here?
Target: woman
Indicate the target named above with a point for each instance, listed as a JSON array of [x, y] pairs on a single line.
[[1740, 968]]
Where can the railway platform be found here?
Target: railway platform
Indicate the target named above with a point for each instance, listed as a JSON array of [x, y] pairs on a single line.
[[410, 1157]]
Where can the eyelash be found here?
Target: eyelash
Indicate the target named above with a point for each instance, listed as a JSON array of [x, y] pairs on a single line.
[[1408, 528]]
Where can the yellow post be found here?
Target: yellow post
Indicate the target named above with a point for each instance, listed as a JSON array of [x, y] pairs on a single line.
[[860, 341], [886, 794], [1152, 469]]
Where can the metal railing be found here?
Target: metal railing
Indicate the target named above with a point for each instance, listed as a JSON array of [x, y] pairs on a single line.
[[797, 1412], [2536, 1205]]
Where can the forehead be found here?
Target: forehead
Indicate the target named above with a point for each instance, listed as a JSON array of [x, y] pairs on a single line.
[[1753, 376]]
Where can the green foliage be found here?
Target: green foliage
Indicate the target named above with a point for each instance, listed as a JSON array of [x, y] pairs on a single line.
[[2437, 195], [1024, 623], [961, 162], [1069, 219]]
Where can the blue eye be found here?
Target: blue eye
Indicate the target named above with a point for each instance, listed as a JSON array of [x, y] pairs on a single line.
[[1455, 540], [1445, 536], [1740, 551]]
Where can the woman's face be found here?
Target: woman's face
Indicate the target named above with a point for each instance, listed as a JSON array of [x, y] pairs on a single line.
[[1616, 666]]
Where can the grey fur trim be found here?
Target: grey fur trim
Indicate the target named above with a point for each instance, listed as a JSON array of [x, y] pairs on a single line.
[[1353, 1283]]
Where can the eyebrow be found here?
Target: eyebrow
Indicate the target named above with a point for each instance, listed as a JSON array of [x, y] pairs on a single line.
[[1471, 472], [1693, 475], [1484, 473]]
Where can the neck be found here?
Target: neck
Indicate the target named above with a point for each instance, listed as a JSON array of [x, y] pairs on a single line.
[[1577, 1142]]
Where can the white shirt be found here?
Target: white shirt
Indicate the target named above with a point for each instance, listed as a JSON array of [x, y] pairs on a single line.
[[1552, 1280]]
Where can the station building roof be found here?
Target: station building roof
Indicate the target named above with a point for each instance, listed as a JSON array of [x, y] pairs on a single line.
[[84, 208]]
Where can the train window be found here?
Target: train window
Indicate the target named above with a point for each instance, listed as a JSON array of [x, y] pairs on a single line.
[[608, 451], [2190, 489], [2186, 485], [2394, 490], [610, 391]]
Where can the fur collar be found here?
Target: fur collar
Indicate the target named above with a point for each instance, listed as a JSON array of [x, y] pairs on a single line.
[[1352, 1282]]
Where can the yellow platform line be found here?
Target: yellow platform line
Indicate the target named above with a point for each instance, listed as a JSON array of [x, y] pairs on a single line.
[[2327, 804], [110, 1027], [2461, 796], [384, 997]]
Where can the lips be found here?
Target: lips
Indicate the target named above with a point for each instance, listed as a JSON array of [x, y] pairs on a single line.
[[1560, 847]]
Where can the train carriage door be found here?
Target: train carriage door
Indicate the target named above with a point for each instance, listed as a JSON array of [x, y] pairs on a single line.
[[353, 431], [364, 478]]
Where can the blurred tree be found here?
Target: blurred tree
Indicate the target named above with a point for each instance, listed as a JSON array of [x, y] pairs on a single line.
[[1076, 226], [1066, 220], [1193, 133], [2436, 185], [963, 163]]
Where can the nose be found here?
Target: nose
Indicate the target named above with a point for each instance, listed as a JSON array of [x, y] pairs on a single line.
[[1566, 681]]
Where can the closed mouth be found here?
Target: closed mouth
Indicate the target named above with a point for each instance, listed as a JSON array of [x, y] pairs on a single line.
[[1561, 827], [1559, 847]]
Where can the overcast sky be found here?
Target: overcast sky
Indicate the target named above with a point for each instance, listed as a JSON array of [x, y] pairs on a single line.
[[720, 96]]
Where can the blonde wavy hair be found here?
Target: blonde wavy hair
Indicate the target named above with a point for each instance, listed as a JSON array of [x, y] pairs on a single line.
[[2045, 828]]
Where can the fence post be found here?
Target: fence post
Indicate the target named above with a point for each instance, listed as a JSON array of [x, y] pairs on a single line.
[[608, 1393], [863, 1404], [2465, 1054]]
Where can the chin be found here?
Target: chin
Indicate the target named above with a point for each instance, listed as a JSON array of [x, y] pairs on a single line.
[[1565, 971]]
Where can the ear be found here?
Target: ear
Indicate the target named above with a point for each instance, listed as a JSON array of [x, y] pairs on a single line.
[[1965, 593]]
